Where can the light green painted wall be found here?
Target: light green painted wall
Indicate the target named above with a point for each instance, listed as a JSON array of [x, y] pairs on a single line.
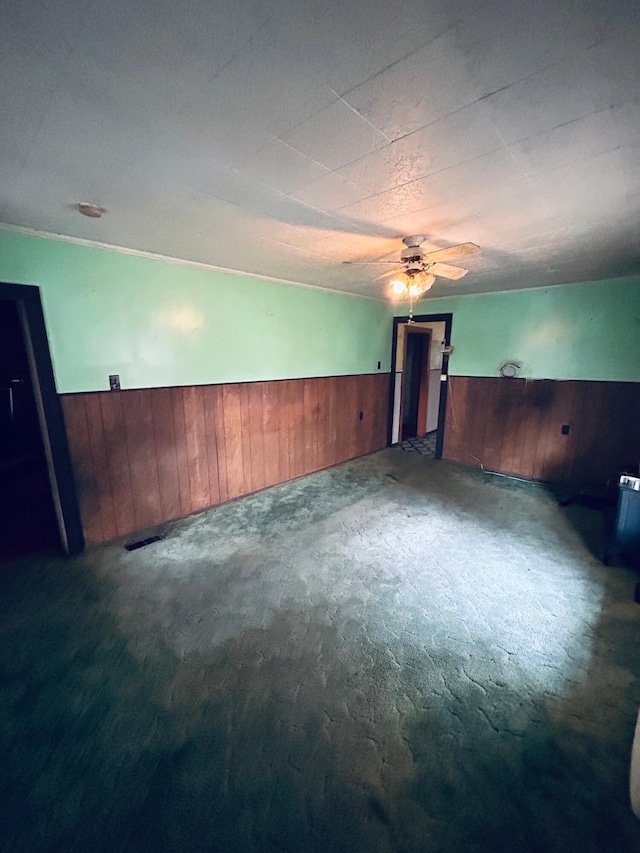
[[573, 331], [160, 323]]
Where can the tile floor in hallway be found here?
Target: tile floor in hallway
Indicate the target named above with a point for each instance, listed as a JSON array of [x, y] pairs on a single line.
[[425, 445], [394, 655]]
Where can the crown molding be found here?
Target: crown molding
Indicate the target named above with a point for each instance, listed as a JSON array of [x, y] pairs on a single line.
[[154, 256]]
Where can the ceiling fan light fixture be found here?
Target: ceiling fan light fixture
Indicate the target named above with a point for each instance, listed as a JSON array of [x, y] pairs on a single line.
[[400, 284], [421, 282], [412, 284]]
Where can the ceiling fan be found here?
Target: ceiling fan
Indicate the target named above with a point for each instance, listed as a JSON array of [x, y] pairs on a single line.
[[418, 267], [416, 259]]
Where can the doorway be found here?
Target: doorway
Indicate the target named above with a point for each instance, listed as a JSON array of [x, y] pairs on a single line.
[[415, 382], [38, 507], [418, 388], [27, 515]]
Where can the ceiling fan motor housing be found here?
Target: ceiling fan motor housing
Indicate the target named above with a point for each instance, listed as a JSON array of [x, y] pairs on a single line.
[[413, 257], [412, 254]]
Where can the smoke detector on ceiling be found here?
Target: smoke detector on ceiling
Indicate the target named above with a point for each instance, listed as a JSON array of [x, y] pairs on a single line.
[[93, 211]]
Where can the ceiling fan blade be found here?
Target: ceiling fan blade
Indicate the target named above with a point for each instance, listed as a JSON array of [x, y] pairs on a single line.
[[368, 263], [388, 273], [462, 250], [447, 271]]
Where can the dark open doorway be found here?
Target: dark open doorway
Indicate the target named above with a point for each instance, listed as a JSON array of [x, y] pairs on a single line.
[[415, 382], [38, 507], [435, 394], [27, 515]]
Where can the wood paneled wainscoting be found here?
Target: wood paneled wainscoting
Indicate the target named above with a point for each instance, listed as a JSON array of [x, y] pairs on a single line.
[[142, 457], [515, 426]]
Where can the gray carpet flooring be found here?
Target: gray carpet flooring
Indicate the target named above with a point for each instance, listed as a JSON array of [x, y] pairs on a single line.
[[394, 655]]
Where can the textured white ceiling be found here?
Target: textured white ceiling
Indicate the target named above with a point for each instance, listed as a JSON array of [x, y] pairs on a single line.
[[286, 137]]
